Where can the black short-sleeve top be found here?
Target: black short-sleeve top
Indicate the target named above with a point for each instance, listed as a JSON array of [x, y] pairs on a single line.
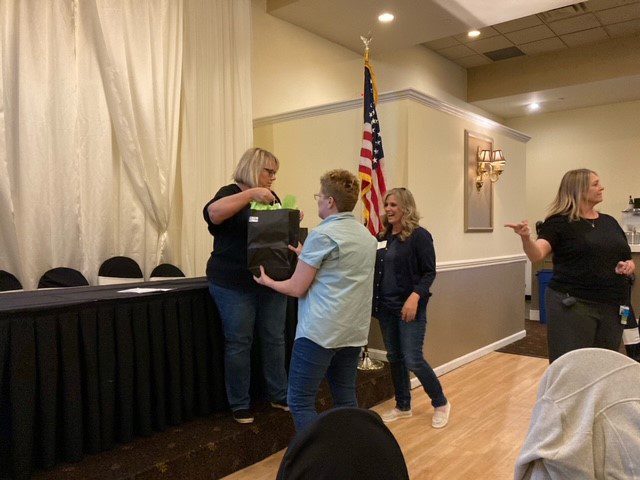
[[585, 254], [227, 265]]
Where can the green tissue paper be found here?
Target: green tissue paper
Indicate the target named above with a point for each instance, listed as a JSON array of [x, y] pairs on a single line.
[[288, 202]]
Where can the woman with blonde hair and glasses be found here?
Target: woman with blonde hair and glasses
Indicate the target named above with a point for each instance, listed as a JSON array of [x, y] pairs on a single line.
[[242, 303], [405, 270], [591, 267]]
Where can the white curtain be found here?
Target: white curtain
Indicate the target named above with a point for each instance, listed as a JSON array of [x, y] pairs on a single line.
[[216, 125], [91, 164], [40, 221], [137, 46]]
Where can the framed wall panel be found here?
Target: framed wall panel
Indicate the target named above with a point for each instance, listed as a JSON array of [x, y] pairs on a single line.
[[478, 202]]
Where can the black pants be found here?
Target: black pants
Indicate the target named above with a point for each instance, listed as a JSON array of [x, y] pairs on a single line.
[[581, 325]]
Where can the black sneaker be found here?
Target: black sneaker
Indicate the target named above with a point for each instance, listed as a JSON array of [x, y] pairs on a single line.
[[281, 405], [243, 415]]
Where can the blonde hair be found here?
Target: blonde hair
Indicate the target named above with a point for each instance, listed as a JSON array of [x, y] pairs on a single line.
[[410, 216], [572, 191], [251, 164], [343, 186]]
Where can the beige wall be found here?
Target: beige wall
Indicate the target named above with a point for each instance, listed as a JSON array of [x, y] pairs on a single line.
[[474, 305], [603, 138], [435, 165], [294, 69], [424, 150]]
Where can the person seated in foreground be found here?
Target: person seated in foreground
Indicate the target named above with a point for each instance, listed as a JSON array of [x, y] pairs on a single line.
[[586, 421], [344, 443]]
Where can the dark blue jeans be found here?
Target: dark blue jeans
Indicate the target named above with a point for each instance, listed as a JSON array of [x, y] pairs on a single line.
[[240, 312], [404, 343], [309, 364]]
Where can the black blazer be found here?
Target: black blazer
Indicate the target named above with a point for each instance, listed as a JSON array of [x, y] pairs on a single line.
[[415, 266]]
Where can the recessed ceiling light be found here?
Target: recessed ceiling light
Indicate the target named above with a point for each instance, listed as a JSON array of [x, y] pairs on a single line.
[[534, 106], [473, 33], [386, 17]]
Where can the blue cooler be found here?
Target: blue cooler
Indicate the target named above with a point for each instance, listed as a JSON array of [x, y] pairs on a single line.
[[544, 277]]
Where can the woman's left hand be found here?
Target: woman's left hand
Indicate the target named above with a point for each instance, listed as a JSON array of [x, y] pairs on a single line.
[[410, 308], [301, 215], [263, 279], [297, 250], [626, 267]]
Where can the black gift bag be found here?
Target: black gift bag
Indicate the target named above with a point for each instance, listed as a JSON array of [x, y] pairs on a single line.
[[270, 232]]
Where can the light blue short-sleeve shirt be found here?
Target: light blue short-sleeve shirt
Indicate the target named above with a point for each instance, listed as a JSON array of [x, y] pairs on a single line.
[[336, 310]]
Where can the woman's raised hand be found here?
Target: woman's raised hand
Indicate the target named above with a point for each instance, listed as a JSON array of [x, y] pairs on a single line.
[[262, 195], [521, 228]]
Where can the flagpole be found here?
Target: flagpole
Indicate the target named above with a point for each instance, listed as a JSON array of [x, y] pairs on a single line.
[[367, 40], [366, 362]]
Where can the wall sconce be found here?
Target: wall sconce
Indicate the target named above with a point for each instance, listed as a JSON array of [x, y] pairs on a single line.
[[490, 164]]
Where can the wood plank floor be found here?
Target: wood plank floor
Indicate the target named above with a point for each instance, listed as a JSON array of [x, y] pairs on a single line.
[[491, 401]]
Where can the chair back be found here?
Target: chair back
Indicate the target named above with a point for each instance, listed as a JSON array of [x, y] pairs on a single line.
[[165, 271], [345, 443], [119, 270], [9, 282], [586, 419], [61, 277]]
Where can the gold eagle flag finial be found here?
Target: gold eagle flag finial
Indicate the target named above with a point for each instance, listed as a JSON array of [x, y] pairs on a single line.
[[366, 39]]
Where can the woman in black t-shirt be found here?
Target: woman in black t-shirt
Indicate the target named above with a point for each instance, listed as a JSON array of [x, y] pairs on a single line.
[[591, 266], [241, 302]]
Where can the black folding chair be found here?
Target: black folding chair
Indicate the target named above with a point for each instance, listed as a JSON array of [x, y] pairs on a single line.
[[62, 277], [165, 271], [344, 443], [119, 270], [9, 282]]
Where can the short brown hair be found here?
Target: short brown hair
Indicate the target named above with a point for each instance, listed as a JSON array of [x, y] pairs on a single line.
[[343, 186], [251, 164]]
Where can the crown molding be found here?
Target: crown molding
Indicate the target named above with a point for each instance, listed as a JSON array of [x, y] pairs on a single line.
[[406, 94]]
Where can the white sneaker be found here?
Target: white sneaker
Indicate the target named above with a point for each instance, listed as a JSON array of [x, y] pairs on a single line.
[[441, 417], [395, 414]]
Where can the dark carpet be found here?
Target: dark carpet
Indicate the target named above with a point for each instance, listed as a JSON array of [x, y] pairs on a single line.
[[211, 447], [534, 344]]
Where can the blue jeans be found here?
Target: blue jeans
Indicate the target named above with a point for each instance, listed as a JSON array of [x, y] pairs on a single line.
[[240, 312], [309, 364], [404, 343]]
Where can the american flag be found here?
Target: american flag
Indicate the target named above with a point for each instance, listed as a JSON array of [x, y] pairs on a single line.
[[372, 186]]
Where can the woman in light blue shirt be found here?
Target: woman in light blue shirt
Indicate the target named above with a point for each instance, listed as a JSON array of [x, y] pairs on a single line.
[[333, 280]]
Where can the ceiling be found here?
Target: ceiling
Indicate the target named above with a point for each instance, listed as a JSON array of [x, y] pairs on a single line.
[[416, 21], [575, 25], [533, 27]]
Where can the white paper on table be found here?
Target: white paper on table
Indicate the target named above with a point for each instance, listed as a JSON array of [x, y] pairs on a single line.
[[144, 290]]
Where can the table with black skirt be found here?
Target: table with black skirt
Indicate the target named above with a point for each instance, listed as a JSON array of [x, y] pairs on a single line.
[[84, 368]]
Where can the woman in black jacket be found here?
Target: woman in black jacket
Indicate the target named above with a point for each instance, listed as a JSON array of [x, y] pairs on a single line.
[[405, 270]]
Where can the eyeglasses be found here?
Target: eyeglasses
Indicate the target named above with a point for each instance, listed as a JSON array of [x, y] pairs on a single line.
[[272, 173], [318, 195]]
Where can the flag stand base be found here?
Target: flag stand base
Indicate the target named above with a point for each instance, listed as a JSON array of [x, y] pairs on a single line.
[[367, 363]]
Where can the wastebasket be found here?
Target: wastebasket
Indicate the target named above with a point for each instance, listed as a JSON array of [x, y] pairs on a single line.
[[544, 277]]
